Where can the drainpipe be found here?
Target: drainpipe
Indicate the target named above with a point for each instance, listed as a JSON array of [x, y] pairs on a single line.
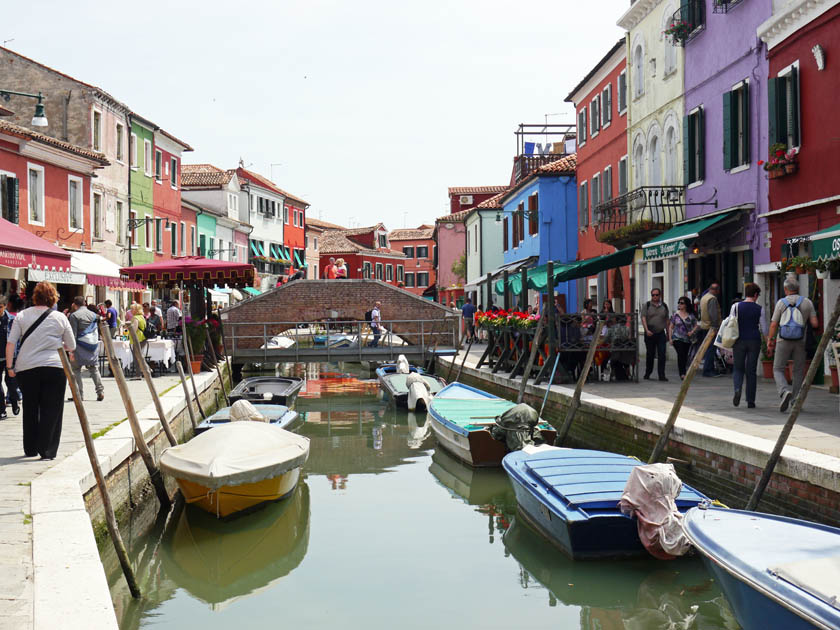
[[64, 133], [130, 240]]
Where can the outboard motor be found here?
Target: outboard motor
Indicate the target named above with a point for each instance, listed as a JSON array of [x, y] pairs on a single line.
[[402, 365], [515, 427], [418, 392], [243, 410]]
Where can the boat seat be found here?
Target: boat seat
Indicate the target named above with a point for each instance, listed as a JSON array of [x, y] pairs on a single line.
[[819, 577]]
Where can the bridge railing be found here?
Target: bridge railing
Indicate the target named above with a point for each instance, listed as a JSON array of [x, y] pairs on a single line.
[[423, 335]]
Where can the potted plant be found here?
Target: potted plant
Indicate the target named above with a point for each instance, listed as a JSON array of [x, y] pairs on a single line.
[[679, 30], [780, 161], [766, 361], [197, 335]]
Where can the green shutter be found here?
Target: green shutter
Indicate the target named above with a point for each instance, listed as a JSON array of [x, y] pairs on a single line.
[[792, 98], [686, 150], [727, 130], [774, 88], [745, 115], [701, 145]]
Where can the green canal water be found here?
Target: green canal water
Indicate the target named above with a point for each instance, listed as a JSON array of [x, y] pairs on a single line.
[[386, 531]]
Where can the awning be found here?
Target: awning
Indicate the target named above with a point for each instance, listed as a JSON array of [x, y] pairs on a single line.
[[251, 290], [101, 272], [254, 249], [514, 277], [594, 266], [826, 243], [19, 249], [193, 271], [676, 240], [298, 262]]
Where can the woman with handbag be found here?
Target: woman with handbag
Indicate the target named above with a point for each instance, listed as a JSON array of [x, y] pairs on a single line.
[[751, 326], [683, 325], [38, 370]]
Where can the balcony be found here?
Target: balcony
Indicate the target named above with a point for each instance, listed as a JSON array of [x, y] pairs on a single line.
[[724, 6], [538, 145], [687, 22], [524, 165], [639, 215]]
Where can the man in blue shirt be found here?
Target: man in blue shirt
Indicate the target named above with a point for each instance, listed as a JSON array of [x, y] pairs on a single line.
[[11, 383], [111, 314], [468, 313]]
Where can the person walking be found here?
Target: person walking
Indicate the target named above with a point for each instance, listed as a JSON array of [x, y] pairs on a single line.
[[173, 318], [792, 313], [112, 317], [655, 323], [680, 328], [710, 318], [375, 324], [83, 322], [11, 383], [751, 327], [39, 371], [468, 315], [340, 269]]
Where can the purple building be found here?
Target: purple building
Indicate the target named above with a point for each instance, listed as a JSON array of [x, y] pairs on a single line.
[[725, 134]]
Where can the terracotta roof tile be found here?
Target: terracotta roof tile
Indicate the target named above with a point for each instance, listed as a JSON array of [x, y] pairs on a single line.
[[476, 190], [455, 217], [493, 202], [363, 230], [204, 176], [336, 242], [411, 234], [29, 134], [567, 164], [324, 225]]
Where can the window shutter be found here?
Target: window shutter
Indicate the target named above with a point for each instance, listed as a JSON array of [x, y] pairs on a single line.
[[727, 130], [505, 234], [745, 130], [701, 145], [687, 152], [792, 98], [774, 110], [609, 103], [583, 111]]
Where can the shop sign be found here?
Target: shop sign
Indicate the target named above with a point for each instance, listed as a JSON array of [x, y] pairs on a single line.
[[56, 277], [664, 250], [826, 247]]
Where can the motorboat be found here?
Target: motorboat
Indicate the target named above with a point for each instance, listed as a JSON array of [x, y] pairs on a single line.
[[278, 415], [462, 418], [237, 466], [398, 386], [278, 342], [571, 496], [275, 390], [776, 572]]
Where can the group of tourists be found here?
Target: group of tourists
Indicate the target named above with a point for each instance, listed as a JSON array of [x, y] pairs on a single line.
[[336, 269]]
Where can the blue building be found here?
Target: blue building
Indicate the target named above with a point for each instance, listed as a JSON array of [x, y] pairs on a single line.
[[539, 223]]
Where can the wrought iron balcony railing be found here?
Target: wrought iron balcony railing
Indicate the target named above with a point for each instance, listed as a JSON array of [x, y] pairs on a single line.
[[687, 22], [524, 165], [638, 215], [724, 6]]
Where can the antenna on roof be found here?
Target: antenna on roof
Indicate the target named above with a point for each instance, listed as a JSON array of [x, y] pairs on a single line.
[[6, 41]]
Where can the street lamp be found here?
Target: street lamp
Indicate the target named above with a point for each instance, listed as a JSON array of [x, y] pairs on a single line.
[[40, 117], [134, 224]]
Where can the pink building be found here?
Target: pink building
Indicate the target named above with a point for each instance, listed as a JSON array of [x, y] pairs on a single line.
[[451, 237]]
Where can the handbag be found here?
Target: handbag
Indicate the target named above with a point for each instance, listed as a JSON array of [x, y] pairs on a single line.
[[728, 333]]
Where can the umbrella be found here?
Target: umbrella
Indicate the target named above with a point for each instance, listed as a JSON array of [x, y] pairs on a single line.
[[193, 272]]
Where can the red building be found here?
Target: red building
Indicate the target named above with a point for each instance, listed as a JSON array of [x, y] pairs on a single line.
[[468, 197], [294, 230], [418, 245], [366, 252], [166, 195], [187, 233], [601, 170]]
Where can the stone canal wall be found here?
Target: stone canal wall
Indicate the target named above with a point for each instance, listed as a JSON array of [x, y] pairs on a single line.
[[722, 463]]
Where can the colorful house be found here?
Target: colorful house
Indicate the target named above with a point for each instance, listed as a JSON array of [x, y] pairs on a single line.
[[294, 230], [419, 247], [312, 238], [484, 233], [141, 157], [166, 194], [266, 250], [463, 198], [366, 253], [451, 238]]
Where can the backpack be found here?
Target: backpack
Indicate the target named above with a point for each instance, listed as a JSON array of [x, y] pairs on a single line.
[[792, 322], [87, 344], [369, 315], [151, 331]]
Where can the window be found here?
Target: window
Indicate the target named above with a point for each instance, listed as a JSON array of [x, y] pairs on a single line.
[[132, 151], [147, 158], [132, 231], [607, 185], [596, 194], [400, 273], [120, 139], [533, 214], [192, 240], [582, 126], [622, 92], [595, 116], [147, 233], [36, 195], [638, 164], [389, 273], [520, 222], [173, 172], [409, 252], [515, 221], [422, 251], [285, 214], [622, 175], [606, 106], [158, 166], [183, 239], [736, 127], [173, 239], [97, 215], [583, 205], [379, 271], [220, 249], [423, 279], [409, 280], [670, 156], [655, 162], [783, 93], [638, 71], [383, 243], [120, 218], [159, 235], [366, 270], [475, 239], [202, 244], [693, 147], [505, 234], [74, 203], [97, 130]]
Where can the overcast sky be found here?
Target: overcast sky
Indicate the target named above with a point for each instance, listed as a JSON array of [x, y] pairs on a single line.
[[369, 110]]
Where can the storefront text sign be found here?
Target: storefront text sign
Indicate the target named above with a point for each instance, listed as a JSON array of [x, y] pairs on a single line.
[[664, 250], [57, 277]]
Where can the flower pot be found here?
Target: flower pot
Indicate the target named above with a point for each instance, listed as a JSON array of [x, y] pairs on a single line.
[[773, 173], [790, 168], [767, 368], [195, 364], [801, 270]]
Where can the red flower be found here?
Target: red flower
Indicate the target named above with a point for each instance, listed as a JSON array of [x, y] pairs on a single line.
[[760, 162], [780, 153]]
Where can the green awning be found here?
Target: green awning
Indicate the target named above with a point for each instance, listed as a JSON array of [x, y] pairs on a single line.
[[254, 249], [297, 260], [252, 290], [261, 248], [826, 243], [538, 277], [275, 251], [676, 240], [594, 266]]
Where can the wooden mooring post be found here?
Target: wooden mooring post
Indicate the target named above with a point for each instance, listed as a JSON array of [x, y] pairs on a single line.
[[574, 405], [140, 360], [186, 393], [216, 362], [533, 356]]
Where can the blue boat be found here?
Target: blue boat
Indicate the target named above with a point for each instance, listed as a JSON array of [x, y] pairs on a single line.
[[571, 497], [278, 415], [776, 572]]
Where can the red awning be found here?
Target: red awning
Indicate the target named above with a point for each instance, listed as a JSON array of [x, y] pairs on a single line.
[[115, 283], [20, 249], [193, 271]]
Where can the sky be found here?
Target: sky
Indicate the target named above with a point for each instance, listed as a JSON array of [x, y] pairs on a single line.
[[369, 110]]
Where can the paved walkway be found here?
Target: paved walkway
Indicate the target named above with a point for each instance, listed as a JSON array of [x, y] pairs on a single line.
[[709, 401], [17, 474]]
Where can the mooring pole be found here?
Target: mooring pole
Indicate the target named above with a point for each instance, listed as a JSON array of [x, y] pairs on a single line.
[[464, 360], [144, 369], [506, 301], [186, 393], [575, 403], [110, 519], [675, 409], [523, 290], [794, 412], [185, 340], [216, 361], [548, 389], [535, 346], [134, 423]]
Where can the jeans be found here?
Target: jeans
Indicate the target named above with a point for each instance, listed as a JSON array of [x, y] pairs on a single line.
[[377, 333], [682, 348], [709, 361], [11, 385], [43, 409], [655, 344], [93, 369], [745, 354], [786, 350]]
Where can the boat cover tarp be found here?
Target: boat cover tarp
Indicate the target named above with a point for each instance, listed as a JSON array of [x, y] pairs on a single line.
[[470, 412], [515, 427], [399, 382], [649, 495], [818, 576], [236, 453], [242, 410]]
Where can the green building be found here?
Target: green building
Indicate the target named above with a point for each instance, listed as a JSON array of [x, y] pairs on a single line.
[[141, 154]]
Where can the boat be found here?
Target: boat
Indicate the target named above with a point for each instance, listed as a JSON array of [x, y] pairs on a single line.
[[278, 415], [396, 385], [219, 564], [334, 340], [237, 466], [776, 572], [278, 342], [461, 418], [571, 496], [275, 390]]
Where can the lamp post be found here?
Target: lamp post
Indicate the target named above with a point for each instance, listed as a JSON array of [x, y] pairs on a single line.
[[40, 117]]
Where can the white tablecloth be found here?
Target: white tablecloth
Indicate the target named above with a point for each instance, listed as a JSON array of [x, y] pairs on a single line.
[[162, 350], [122, 350]]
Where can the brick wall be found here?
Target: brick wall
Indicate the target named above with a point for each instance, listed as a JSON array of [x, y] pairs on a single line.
[[319, 300]]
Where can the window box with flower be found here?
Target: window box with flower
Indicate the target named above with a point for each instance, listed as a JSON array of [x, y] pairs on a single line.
[[780, 161]]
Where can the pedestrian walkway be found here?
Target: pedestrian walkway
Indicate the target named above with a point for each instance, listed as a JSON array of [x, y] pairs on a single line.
[[17, 473], [709, 401]]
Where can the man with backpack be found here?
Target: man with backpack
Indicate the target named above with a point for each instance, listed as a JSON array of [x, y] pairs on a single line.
[[655, 322], [789, 320], [83, 323]]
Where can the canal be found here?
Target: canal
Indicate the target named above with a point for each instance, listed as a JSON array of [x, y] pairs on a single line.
[[385, 531]]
